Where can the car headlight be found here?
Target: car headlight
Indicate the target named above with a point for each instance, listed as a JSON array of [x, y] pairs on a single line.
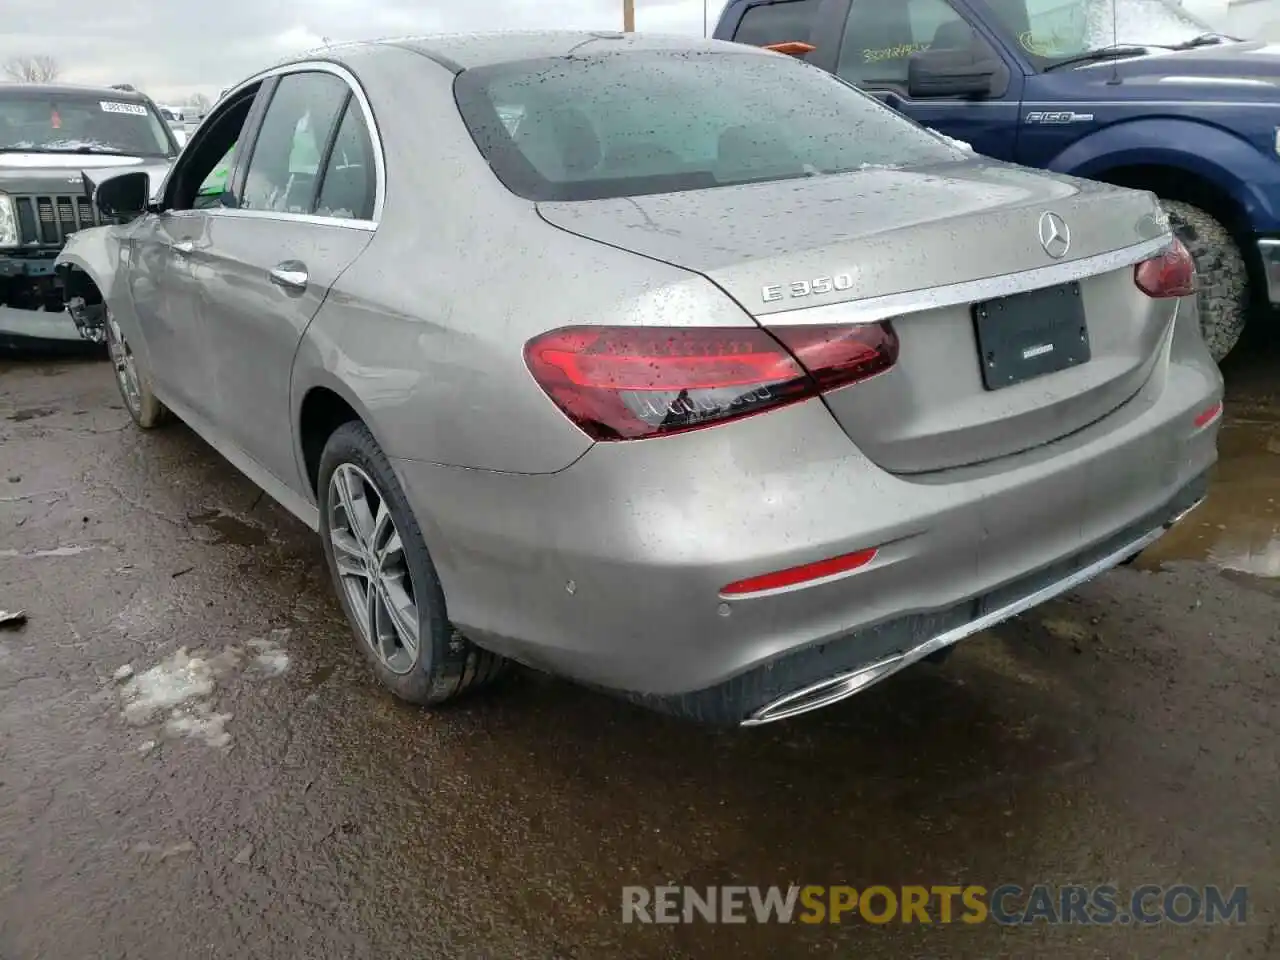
[[1277, 141], [8, 222]]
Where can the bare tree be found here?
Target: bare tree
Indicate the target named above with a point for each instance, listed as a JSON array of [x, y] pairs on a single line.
[[40, 68], [199, 104]]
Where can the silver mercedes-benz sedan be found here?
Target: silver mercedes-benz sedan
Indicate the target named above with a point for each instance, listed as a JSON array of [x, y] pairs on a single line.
[[677, 367]]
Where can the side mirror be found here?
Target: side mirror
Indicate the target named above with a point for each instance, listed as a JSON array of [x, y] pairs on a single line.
[[937, 73], [123, 197]]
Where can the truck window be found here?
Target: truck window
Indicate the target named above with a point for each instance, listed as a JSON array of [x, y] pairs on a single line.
[[64, 121], [1049, 30], [767, 23], [879, 38]]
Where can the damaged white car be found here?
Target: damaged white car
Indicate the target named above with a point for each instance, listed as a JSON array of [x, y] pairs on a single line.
[[54, 140]]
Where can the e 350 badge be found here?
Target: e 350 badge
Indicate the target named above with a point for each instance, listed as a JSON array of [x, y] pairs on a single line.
[[806, 288]]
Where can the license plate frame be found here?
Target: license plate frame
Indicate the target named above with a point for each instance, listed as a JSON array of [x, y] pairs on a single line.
[[1028, 335]]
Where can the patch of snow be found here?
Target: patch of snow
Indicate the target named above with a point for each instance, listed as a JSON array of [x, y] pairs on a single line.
[[69, 551], [168, 684], [199, 722], [179, 688], [269, 656], [1137, 22], [952, 141]]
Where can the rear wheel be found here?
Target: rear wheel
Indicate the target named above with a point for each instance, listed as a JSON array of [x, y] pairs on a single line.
[[133, 379], [1222, 275], [385, 579]]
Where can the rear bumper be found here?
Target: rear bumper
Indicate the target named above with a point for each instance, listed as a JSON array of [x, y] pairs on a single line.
[[788, 689], [1269, 254], [610, 571]]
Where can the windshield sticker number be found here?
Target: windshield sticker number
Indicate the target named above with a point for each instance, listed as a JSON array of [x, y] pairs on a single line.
[[114, 106]]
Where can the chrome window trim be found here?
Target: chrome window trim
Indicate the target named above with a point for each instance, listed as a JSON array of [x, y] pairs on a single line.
[[889, 306], [375, 138], [345, 223]]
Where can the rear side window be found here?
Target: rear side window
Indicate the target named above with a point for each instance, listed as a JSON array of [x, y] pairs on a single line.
[[768, 23], [634, 123], [347, 190]]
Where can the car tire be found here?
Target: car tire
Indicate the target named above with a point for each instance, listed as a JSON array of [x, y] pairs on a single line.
[[133, 379], [1222, 275], [403, 628]]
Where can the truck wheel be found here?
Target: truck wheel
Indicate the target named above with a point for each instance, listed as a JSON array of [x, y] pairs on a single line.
[[1222, 276], [133, 379]]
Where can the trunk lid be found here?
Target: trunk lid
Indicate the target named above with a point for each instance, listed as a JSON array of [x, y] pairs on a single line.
[[836, 242]]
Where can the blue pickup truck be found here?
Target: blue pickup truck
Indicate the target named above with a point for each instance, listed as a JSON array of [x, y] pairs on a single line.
[[1139, 94]]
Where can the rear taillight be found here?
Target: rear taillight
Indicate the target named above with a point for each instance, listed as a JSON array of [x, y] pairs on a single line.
[[625, 383], [1172, 274]]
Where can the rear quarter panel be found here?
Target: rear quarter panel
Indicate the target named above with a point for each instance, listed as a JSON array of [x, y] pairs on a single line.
[[425, 332]]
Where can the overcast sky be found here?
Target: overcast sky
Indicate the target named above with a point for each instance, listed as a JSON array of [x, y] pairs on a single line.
[[174, 48]]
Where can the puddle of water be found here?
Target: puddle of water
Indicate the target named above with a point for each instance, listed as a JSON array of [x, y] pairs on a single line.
[[69, 551], [230, 528], [1237, 528]]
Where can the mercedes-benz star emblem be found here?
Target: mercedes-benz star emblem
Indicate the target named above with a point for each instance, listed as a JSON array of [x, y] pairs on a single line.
[[1055, 236]]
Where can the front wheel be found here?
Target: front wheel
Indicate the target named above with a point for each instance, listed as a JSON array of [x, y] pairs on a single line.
[[1222, 277], [385, 579], [133, 378]]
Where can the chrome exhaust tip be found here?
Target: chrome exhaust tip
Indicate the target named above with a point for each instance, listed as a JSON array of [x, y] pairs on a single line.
[[1179, 517], [823, 693]]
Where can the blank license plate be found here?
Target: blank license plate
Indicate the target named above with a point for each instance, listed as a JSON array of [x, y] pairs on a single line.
[[1030, 334]]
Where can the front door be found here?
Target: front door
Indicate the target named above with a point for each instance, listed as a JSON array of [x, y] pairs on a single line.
[[880, 37], [160, 288], [304, 213]]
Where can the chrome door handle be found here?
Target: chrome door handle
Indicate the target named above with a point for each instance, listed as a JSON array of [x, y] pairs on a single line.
[[182, 247], [290, 274]]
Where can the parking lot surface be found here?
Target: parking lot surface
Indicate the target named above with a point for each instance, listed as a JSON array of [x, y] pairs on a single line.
[[194, 761]]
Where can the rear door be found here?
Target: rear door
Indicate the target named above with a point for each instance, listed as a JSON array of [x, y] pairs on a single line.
[[304, 211], [879, 39]]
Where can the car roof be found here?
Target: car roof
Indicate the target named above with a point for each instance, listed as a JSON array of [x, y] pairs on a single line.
[[467, 51], [54, 89]]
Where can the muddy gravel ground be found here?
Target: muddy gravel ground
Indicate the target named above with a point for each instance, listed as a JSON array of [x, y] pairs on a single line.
[[194, 761]]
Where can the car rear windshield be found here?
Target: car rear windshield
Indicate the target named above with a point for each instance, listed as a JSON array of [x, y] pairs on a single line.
[[43, 122], [634, 123]]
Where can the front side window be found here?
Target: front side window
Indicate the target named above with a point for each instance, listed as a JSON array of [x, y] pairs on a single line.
[[78, 123], [880, 38], [282, 173], [632, 123], [217, 183]]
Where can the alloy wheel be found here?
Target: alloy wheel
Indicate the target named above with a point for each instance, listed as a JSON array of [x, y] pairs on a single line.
[[126, 366], [372, 568]]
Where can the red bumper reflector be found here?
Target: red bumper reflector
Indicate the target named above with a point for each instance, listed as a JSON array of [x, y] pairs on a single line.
[[802, 574], [1210, 415]]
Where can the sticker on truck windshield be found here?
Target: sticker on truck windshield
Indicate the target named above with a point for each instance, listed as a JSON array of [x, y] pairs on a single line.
[[115, 106]]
